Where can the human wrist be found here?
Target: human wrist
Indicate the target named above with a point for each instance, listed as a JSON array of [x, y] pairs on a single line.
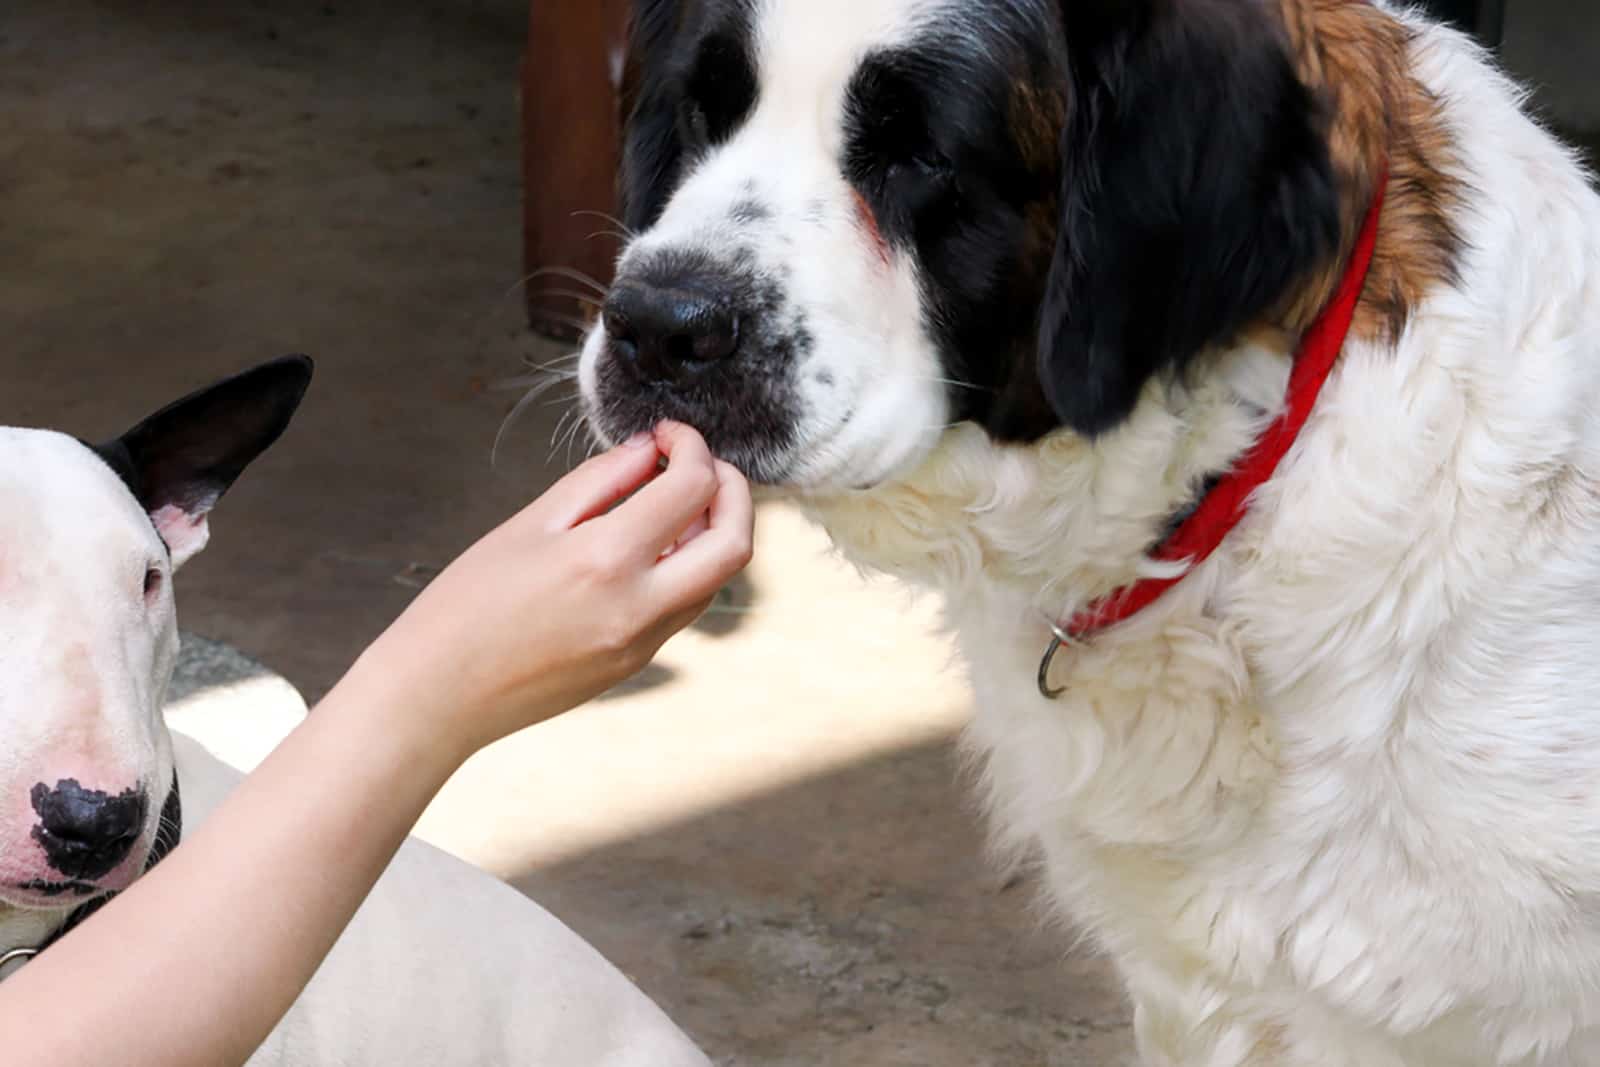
[[404, 722]]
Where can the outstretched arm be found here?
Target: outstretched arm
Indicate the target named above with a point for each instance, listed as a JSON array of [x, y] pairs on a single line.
[[197, 962]]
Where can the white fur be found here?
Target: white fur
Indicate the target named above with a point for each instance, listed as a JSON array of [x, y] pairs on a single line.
[[442, 965], [1334, 801]]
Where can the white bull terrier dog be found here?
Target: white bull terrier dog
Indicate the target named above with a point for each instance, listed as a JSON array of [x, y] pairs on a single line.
[[443, 964]]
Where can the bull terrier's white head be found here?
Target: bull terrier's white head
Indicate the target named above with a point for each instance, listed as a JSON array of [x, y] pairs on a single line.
[[90, 537]]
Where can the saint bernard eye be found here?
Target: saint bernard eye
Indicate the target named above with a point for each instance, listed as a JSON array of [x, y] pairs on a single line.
[[695, 126], [718, 92], [925, 162], [891, 140]]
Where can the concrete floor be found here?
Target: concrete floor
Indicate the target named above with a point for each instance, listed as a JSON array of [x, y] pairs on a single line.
[[768, 830]]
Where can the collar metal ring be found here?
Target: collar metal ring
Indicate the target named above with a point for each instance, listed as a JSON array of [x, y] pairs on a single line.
[[1059, 640], [17, 954]]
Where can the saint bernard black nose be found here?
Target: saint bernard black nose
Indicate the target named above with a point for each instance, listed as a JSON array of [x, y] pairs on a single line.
[[85, 833], [669, 333]]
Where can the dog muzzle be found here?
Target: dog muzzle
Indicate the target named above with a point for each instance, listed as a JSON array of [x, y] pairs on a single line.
[[168, 833]]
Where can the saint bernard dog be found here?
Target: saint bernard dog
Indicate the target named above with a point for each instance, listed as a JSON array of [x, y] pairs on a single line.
[[1231, 368]]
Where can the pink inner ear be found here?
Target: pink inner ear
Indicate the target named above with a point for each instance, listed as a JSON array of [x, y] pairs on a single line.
[[185, 534]]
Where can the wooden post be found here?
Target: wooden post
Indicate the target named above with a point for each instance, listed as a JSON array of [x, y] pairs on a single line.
[[570, 152]]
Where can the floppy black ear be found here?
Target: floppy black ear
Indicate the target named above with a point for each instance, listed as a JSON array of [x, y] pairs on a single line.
[[1197, 191], [652, 149], [179, 461]]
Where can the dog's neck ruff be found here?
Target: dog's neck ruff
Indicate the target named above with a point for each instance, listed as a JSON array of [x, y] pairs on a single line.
[[168, 832], [1228, 500]]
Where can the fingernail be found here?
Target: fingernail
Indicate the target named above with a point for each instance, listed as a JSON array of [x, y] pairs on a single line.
[[639, 440]]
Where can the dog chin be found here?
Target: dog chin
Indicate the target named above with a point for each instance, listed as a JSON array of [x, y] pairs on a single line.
[[43, 889], [852, 457], [820, 469]]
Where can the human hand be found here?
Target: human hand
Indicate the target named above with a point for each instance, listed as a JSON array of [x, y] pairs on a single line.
[[570, 597]]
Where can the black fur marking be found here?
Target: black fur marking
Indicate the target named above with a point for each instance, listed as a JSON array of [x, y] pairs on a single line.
[[693, 81], [893, 154], [951, 142], [1189, 191], [718, 91], [1197, 192]]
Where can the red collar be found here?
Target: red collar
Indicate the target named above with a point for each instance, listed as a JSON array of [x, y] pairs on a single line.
[[1228, 501]]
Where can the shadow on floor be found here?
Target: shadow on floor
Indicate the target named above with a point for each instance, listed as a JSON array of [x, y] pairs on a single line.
[[785, 932]]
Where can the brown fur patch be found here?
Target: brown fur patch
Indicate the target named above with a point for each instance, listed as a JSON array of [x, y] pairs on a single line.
[[1358, 59], [1036, 118], [1037, 111]]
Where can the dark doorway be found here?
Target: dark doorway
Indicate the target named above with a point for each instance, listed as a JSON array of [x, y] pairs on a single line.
[[1486, 18]]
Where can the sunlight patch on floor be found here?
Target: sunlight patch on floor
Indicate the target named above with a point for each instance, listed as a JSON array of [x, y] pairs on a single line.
[[823, 670]]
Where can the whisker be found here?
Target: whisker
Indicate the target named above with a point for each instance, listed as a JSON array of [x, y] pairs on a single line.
[[529, 381], [571, 274], [572, 294], [556, 433], [568, 425], [954, 384], [561, 363], [573, 429], [538, 389], [591, 449], [628, 232], [572, 321]]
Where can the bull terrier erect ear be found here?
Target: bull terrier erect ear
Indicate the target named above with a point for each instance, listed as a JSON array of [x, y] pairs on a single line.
[[180, 460]]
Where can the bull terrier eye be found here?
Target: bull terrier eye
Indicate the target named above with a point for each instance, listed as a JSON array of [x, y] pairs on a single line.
[[152, 582]]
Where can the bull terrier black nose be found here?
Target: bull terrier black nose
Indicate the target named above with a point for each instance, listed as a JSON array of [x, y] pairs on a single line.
[[85, 833]]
